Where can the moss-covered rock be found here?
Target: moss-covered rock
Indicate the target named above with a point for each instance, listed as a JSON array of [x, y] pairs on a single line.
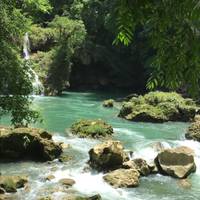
[[193, 132], [12, 183], [27, 143], [91, 128], [159, 107], [108, 103]]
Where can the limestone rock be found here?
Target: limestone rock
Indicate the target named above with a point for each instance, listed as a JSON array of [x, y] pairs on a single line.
[[107, 156], [108, 103], [11, 183], [27, 143], [139, 164], [123, 178], [159, 107], [91, 129], [193, 132], [177, 162], [67, 182]]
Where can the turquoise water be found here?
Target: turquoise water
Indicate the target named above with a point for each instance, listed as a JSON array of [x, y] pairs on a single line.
[[142, 138]]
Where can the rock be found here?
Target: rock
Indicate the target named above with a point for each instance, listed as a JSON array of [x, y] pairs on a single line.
[[65, 158], [91, 129], [177, 162], [27, 143], [123, 178], [184, 183], [193, 132], [139, 164], [65, 146], [49, 177], [67, 182], [107, 156], [2, 191], [11, 183], [45, 198], [108, 103], [73, 197], [153, 168], [159, 107]]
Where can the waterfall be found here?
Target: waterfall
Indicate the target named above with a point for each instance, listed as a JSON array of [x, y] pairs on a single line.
[[37, 85]]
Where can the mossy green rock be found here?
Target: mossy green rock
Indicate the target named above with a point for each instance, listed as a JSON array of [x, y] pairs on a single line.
[[27, 143], [12, 183], [159, 107], [193, 132], [92, 129]]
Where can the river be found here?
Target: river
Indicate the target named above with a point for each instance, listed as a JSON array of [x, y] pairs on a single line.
[[141, 138]]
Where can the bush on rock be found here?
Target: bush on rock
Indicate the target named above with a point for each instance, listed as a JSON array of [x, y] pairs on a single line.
[[92, 129], [159, 107]]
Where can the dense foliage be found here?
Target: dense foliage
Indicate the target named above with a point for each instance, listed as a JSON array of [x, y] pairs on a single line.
[[172, 29]]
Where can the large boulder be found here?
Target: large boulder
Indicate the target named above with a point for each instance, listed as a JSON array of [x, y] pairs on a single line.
[[177, 162], [107, 156], [91, 129], [27, 143], [193, 132], [74, 197], [11, 183], [159, 107], [123, 178]]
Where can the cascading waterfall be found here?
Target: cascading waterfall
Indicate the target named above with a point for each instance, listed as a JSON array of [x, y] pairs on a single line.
[[37, 85]]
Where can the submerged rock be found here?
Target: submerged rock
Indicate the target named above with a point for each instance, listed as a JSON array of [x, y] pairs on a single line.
[[177, 162], [108, 103], [27, 143], [107, 156], [68, 182], [159, 107], [92, 129], [11, 183], [184, 183], [123, 178], [193, 132], [139, 164]]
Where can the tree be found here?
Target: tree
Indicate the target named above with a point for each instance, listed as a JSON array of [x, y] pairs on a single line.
[[172, 29], [15, 83], [69, 34]]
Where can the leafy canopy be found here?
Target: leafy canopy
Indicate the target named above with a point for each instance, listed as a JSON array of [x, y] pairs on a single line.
[[172, 29]]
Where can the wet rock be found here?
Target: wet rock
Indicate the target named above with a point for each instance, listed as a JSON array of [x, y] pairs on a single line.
[[65, 146], [184, 183], [177, 162], [11, 183], [67, 182], [27, 143], [107, 156], [123, 178], [2, 191], [159, 107], [73, 197], [108, 103], [153, 168], [193, 132], [139, 164], [45, 198], [49, 177], [65, 158], [91, 129]]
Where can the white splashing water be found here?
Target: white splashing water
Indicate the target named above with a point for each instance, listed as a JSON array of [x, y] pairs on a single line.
[[37, 85]]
